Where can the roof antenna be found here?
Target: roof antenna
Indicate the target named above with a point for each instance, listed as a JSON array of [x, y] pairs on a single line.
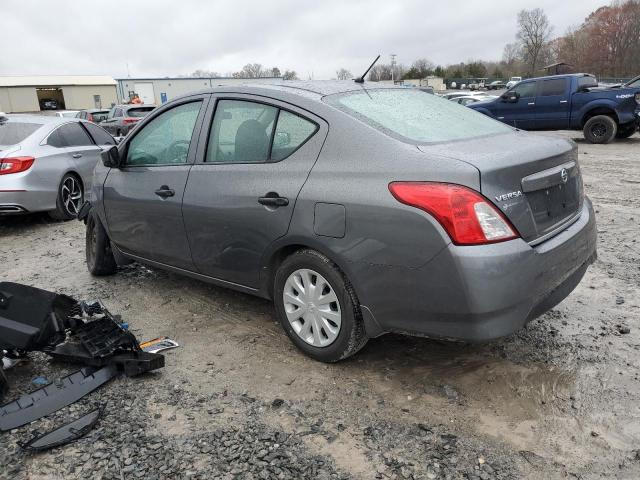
[[361, 78]]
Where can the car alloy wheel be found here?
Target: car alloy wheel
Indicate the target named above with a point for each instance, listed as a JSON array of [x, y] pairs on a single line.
[[312, 307], [71, 192]]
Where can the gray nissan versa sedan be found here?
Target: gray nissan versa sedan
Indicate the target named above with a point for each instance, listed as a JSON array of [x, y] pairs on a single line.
[[358, 209]]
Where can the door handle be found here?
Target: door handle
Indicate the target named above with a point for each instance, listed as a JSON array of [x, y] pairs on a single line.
[[272, 199], [77, 155], [531, 103], [165, 192], [563, 101]]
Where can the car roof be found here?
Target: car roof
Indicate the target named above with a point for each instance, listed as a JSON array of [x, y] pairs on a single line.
[[39, 119]]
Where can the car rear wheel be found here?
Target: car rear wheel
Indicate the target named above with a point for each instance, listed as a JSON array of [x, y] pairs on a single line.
[[318, 308], [600, 129], [625, 131], [100, 259], [70, 198]]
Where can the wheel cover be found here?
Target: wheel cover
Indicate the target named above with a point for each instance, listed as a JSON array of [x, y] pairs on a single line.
[[312, 307], [71, 195]]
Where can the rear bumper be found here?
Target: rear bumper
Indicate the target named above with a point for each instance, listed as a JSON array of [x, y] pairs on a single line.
[[15, 203], [481, 292]]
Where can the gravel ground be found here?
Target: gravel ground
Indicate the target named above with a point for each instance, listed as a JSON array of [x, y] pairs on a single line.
[[557, 400]]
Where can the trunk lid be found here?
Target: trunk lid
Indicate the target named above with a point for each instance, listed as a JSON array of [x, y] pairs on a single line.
[[534, 180]]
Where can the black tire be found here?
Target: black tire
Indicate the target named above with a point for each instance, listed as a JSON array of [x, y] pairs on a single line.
[[351, 336], [100, 259], [67, 209], [600, 129], [626, 130]]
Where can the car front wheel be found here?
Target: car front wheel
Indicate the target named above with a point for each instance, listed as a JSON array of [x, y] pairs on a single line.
[[317, 307], [100, 259], [600, 129]]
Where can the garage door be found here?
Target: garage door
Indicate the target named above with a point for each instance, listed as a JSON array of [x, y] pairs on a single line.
[[145, 92]]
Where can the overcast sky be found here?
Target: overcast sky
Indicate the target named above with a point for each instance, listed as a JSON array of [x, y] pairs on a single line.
[[171, 37]]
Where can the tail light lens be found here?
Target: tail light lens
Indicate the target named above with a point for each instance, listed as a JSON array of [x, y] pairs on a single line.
[[468, 217], [15, 164], [128, 121]]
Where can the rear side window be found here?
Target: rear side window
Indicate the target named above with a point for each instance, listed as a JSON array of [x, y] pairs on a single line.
[[138, 112], [100, 136], [291, 132], [74, 135], [527, 89], [165, 139], [557, 86], [414, 116], [241, 132], [117, 112], [14, 132]]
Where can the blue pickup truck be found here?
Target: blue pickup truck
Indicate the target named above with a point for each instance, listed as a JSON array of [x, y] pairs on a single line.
[[568, 102]]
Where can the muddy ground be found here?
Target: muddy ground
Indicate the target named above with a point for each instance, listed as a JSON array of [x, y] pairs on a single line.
[[560, 399]]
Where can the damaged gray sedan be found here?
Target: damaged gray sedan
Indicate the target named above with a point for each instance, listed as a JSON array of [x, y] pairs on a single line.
[[358, 210]]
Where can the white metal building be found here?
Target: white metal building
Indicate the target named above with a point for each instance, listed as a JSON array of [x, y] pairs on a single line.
[[160, 90], [70, 92]]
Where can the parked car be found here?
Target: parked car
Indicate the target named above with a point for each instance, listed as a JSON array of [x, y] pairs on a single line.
[[46, 163], [122, 118], [469, 99], [452, 95], [48, 104], [496, 85], [63, 113], [357, 209], [567, 102], [95, 115], [513, 81]]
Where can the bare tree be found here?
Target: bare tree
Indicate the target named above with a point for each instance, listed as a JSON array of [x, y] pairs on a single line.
[[511, 53], [202, 74], [275, 72], [251, 70], [290, 75], [534, 31], [343, 74]]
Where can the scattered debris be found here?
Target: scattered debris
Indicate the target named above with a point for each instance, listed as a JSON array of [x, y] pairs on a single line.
[[159, 345], [40, 381], [64, 434]]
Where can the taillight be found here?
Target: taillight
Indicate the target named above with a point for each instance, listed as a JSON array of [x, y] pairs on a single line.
[[15, 164], [465, 214], [128, 121]]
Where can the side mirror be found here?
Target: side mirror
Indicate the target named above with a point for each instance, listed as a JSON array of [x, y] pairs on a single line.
[[111, 157], [510, 97]]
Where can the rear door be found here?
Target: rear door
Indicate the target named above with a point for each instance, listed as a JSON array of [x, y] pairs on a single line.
[[143, 199], [82, 149], [521, 114], [252, 162], [552, 104]]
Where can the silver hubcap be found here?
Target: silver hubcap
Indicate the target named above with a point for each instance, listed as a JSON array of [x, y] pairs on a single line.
[[312, 307], [71, 195]]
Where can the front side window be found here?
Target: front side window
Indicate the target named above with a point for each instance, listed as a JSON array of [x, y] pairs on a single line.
[[241, 132], [557, 86], [525, 90], [414, 116], [166, 139]]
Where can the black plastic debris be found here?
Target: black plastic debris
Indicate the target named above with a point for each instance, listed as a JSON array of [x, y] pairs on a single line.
[[64, 434], [4, 385], [53, 397]]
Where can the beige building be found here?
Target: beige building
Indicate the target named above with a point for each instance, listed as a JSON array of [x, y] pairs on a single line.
[[70, 92]]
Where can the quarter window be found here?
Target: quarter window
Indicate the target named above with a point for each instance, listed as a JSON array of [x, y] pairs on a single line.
[[241, 132], [100, 136], [166, 139], [291, 132], [557, 86]]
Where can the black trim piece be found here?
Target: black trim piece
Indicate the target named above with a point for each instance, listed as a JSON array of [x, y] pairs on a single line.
[[65, 434], [53, 397]]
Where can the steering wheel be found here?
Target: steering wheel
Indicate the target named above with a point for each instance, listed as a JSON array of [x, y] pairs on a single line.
[[178, 151]]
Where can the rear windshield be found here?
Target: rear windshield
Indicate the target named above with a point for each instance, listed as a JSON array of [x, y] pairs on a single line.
[[15, 132], [414, 117], [99, 116], [138, 112]]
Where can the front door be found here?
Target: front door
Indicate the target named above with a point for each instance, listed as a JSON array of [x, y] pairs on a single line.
[[553, 104], [242, 190], [143, 199], [521, 114]]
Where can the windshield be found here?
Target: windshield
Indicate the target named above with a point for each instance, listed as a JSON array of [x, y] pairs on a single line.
[[12, 133], [139, 112], [415, 117]]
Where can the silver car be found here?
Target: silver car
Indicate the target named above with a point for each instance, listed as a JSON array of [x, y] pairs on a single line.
[[46, 163]]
